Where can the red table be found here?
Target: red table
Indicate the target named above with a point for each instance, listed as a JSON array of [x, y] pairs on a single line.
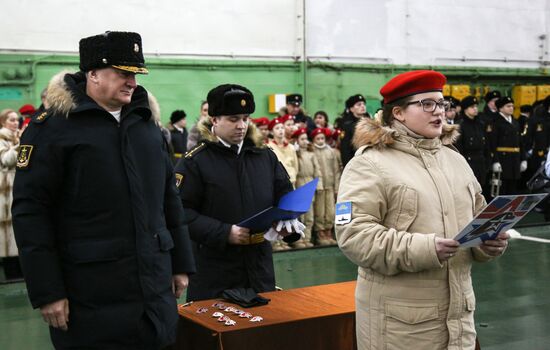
[[320, 317]]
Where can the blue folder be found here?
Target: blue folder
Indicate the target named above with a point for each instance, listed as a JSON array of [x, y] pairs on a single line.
[[291, 206]]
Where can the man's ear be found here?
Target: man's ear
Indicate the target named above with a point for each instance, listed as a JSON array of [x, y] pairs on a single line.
[[92, 76], [214, 120]]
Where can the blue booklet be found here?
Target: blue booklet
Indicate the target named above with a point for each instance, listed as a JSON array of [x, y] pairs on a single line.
[[291, 206]]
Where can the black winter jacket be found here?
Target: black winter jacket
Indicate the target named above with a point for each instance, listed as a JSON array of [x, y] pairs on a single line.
[[218, 189], [98, 220]]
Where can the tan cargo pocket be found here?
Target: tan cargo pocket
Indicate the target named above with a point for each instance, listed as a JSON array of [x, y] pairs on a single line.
[[408, 207], [416, 323], [412, 313]]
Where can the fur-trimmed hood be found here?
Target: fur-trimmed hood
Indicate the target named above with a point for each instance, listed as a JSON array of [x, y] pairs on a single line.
[[371, 133], [252, 134], [66, 93], [58, 96]]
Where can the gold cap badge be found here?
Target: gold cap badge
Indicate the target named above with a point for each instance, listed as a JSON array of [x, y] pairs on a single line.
[[243, 103], [136, 47]]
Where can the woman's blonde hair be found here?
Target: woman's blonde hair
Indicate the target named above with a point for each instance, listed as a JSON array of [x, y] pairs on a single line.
[[4, 115]]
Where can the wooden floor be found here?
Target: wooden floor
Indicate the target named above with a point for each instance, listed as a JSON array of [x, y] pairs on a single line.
[[513, 295]]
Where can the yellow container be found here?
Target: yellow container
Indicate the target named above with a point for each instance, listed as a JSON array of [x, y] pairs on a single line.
[[523, 95], [460, 91], [542, 92]]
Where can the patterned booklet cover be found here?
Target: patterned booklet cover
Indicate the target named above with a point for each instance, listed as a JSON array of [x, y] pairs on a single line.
[[500, 215]]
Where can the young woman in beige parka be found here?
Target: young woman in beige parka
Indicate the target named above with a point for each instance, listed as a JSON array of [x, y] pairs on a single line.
[[410, 192]]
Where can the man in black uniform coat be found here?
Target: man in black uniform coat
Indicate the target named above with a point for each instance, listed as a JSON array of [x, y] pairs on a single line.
[[537, 137], [472, 142], [96, 214], [294, 108], [355, 110], [178, 133], [228, 177], [506, 147], [490, 111]]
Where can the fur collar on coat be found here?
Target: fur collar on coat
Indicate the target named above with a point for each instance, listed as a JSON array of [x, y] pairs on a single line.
[[252, 137]]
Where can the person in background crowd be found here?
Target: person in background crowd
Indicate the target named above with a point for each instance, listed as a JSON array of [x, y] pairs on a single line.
[[228, 177], [472, 142], [325, 197], [356, 109], [155, 115], [451, 114], [294, 108], [178, 132], [525, 112], [26, 111], [100, 229], [308, 169], [320, 118], [9, 146], [194, 135], [290, 126], [490, 111], [509, 158], [537, 137], [262, 124], [286, 154], [283, 149], [402, 199]]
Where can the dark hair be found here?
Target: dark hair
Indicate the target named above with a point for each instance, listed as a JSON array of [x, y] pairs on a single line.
[[203, 103], [325, 116], [387, 109]]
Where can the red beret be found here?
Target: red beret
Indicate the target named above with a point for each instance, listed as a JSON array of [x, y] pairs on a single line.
[[287, 117], [274, 122], [27, 109], [317, 131], [411, 83], [262, 121], [299, 132]]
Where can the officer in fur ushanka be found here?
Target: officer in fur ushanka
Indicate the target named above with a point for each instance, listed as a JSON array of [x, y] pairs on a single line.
[[97, 219]]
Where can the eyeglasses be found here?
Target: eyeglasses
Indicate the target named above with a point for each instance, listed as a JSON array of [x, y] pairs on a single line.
[[429, 105]]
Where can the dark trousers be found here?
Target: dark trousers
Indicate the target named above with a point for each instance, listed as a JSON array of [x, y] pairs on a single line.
[[12, 269]]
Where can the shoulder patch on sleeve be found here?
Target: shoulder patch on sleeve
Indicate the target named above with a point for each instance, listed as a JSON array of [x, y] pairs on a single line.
[[193, 151], [24, 156], [343, 213]]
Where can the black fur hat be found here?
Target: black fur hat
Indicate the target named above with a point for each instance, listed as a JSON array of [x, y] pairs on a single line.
[[468, 101], [504, 100], [177, 115], [120, 50], [492, 94], [294, 99], [230, 99], [352, 100]]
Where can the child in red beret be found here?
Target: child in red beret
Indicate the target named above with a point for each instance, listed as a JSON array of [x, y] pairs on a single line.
[[308, 169], [325, 197]]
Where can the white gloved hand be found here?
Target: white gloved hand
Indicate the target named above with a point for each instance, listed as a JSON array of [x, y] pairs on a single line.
[[291, 226], [272, 235], [497, 168], [523, 166]]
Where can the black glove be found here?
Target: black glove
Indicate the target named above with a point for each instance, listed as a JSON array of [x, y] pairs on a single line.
[[245, 297]]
